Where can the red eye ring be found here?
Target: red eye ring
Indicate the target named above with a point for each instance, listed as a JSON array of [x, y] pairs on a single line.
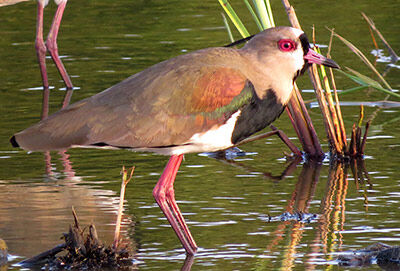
[[286, 45]]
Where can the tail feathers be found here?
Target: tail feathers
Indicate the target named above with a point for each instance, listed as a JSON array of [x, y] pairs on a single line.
[[34, 139], [57, 132], [14, 142]]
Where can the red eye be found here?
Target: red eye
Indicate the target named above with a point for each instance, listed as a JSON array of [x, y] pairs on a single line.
[[286, 45]]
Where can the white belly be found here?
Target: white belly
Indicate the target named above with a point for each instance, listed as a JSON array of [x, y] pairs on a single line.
[[213, 140]]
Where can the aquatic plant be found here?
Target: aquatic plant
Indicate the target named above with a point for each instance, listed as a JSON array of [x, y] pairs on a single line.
[[322, 80]]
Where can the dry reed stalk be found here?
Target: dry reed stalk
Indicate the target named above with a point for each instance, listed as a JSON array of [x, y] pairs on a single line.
[[329, 127], [352, 146], [125, 181], [291, 14], [332, 109], [298, 112], [333, 125], [329, 102], [298, 123], [302, 124], [338, 110], [328, 96], [307, 117], [364, 141], [372, 26]]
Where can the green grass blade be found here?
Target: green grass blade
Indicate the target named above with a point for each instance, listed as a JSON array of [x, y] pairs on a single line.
[[366, 79], [228, 28], [354, 78], [365, 82], [350, 90], [254, 15], [234, 18], [261, 10], [394, 57], [270, 14], [387, 91]]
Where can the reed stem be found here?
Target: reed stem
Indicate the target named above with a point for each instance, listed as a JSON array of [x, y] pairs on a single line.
[[125, 181]]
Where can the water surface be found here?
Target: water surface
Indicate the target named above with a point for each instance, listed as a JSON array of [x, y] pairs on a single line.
[[231, 206]]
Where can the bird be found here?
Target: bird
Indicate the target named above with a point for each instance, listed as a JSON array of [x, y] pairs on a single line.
[[202, 101]]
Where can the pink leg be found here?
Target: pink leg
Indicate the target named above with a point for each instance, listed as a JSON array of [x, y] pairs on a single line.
[[165, 196], [40, 46], [51, 44], [41, 55]]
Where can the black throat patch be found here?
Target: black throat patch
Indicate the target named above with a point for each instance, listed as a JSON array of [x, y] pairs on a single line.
[[306, 47], [256, 115], [304, 43]]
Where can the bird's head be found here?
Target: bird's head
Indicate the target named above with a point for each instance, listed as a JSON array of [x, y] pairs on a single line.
[[287, 47], [282, 54]]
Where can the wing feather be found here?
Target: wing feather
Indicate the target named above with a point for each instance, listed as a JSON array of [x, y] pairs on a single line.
[[216, 88], [161, 106]]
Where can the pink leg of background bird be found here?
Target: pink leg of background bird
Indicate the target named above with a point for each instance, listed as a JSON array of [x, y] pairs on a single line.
[[41, 55], [41, 49], [51, 46], [40, 46], [164, 194]]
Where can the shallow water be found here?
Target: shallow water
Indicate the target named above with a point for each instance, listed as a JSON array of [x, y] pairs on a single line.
[[233, 207]]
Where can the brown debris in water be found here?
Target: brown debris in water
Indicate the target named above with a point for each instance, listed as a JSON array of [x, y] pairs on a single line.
[[387, 257], [82, 250]]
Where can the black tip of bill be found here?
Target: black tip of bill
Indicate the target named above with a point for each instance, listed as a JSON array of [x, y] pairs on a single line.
[[330, 63]]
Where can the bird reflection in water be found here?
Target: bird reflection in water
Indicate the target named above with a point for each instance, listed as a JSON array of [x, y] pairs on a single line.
[[330, 218]]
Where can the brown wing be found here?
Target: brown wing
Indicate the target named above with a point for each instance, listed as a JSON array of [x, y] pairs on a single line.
[[161, 106]]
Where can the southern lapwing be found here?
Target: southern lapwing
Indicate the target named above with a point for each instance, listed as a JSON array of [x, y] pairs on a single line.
[[204, 101]]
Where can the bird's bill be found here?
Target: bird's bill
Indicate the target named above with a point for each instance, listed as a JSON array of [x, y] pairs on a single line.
[[314, 57]]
